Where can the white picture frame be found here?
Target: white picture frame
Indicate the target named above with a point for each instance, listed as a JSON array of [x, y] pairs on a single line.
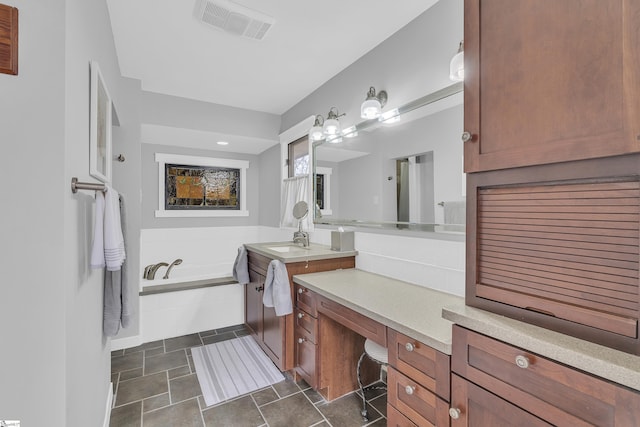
[[99, 127]]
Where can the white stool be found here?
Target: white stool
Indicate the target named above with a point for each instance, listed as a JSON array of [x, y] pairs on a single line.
[[378, 354]]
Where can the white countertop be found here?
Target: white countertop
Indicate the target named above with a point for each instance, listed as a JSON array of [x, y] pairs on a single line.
[[288, 252], [614, 365], [413, 310]]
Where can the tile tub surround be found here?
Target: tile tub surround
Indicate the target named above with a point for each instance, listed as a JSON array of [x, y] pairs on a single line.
[[155, 385], [410, 309], [607, 363]]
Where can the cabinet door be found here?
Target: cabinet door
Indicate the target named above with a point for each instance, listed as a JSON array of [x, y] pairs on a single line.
[[474, 406], [549, 81], [253, 303], [273, 334], [306, 358]]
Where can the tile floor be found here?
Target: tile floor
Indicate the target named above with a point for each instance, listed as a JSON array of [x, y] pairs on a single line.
[[155, 385]]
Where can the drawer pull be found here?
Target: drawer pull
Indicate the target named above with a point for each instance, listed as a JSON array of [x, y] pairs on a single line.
[[522, 361], [409, 346], [300, 315], [409, 389], [454, 413], [300, 290], [259, 288], [466, 136], [301, 340]]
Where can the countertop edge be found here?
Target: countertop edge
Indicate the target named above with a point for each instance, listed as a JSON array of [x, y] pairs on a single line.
[[604, 362], [444, 347], [327, 253]]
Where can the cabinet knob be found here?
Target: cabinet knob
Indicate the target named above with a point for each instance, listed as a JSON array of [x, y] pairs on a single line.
[[301, 340], [300, 290], [466, 136], [454, 413], [409, 346], [259, 288], [522, 361], [300, 315], [409, 389]]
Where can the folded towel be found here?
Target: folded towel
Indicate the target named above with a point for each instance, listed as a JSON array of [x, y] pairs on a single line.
[[97, 249], [241, 266], [455, 212], [114, 253], [277, 292]]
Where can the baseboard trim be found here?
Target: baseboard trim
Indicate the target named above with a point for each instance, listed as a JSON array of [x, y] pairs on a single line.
[[128, 342], [107, 414]]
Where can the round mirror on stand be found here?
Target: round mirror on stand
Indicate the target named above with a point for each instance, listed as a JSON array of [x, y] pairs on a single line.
[[300, 210]]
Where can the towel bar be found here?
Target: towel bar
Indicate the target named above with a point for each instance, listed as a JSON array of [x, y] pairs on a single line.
[[76, 185]]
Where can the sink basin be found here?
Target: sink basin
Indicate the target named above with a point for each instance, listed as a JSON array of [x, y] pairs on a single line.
[[287, 248]]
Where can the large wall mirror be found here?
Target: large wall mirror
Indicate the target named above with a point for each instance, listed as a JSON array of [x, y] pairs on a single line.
[[404, 173]]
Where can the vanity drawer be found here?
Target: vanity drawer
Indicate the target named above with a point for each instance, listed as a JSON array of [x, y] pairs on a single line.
[[396, 419], [258, 263], [306, 300], [306, 325], [418, 361], [306, 358], [554, 392], [416, 402], [353, 320]]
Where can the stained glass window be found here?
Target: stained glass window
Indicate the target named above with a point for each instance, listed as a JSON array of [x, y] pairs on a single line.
[[201, 187]]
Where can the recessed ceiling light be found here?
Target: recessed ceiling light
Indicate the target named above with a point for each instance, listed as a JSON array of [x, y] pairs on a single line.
[[222, 143]]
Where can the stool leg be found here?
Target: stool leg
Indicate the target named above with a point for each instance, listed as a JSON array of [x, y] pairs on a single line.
[[364, 401]]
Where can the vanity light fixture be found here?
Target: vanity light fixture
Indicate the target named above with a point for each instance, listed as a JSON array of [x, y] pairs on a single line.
[[372, 106], [456, 66], [350, 132], [331, 124], [315, 133], [390, 116], [334, 139]]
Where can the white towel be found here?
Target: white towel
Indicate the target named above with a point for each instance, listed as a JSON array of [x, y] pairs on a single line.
[[114, 253], [277, 292], [241, 266], [97, 249]]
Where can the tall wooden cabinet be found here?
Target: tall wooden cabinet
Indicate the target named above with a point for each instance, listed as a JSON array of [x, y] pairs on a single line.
[[548, 81], [275, 334]]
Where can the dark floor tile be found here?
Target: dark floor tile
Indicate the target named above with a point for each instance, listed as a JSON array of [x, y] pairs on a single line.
[[380, 403], [156, 402], [154, 351], [207, 333], [131, 374], [345, 411], [218, 337], [165, 361], [179, 372], [241, 412], [314, 396], [145, 346], [126, 416], [382, 422], [183, 414], [230, 329], [264, 396], [286, 387], [141, 388], [184, 341], [292, 411], [376, 389], [126, 362], [184, 388]]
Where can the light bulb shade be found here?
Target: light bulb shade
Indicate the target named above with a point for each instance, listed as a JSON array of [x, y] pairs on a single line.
[[331, 127], [456, 66], [334, 139], [371, 109], [315, 134]]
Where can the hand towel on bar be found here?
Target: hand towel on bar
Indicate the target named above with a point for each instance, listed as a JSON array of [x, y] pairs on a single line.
[[114, 253], [97, 249], [277, 292], [241, 266], [117, 309]]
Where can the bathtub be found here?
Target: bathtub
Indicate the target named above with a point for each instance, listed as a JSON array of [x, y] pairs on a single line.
[[185, 273]]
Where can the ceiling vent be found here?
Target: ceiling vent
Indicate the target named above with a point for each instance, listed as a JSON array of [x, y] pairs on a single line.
[[234, 18]]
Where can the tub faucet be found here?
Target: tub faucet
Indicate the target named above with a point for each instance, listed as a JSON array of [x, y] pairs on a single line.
[[176, 262], [150, 270]]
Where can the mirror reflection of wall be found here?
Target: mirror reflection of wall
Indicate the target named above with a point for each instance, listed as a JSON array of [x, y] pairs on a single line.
[[365, 182]]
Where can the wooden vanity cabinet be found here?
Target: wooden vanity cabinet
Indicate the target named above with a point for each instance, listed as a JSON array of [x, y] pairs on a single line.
[[275, 334], [417, 382], [495, 383], [550, 81]]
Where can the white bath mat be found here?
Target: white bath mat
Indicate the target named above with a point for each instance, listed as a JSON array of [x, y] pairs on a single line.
[[230, 368]]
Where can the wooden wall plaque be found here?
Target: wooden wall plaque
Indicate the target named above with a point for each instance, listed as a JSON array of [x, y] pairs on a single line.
[[8, 39]]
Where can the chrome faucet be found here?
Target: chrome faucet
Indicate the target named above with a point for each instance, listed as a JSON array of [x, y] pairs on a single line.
[[150, 270], [176, 262], [301, 237]]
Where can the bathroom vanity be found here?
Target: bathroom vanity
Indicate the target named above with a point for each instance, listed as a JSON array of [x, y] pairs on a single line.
[[275, 334]]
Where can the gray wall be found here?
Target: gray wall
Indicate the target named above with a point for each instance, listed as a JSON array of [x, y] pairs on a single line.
[[55, 362], [269, 193], [411, 63]]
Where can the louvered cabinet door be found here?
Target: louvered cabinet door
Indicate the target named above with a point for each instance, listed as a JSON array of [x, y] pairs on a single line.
[[562, 254]]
